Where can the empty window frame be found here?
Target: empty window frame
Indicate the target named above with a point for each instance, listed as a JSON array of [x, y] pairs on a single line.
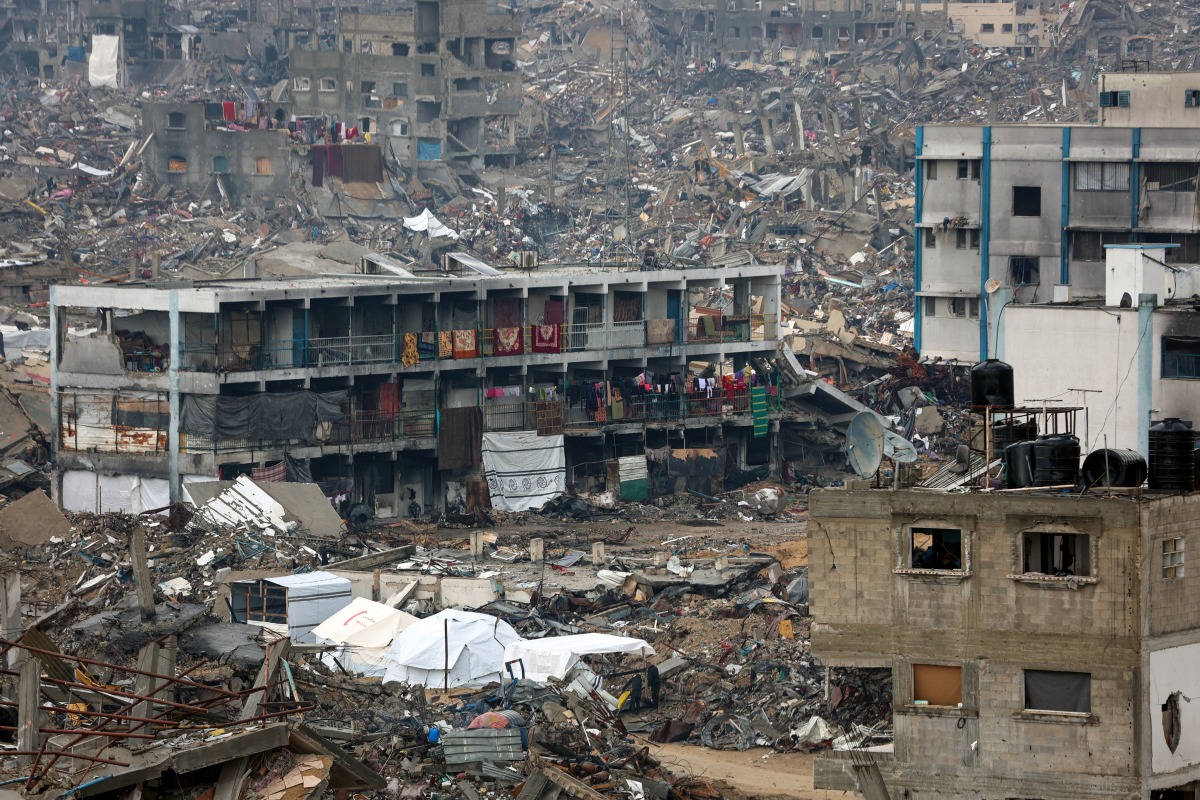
[[1056, 554], [220, 165], [935, 548], [428, 70], [176, 121], [1172, 558], [1181, 357], [930, 306], [1191, 98], [399, 90], [399, 49], [1006, 27], [302, 83], [937, 685], [328, 84], [1187, 252], [1089, 245], [1171, 176], [399, 127], [960, 239], [817, 32], [1102, 176], [974, 232], [930, 239], [262, 166], [1023, 271], [1114, 99], [258, 601], [931, 170], [177, 164], [1062, 692], [969, 169], [987, 27], [963, 307], [1027, 201]]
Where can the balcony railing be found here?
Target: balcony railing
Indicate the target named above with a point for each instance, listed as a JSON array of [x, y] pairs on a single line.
[[488, 343], [358, 428], [520, 415]]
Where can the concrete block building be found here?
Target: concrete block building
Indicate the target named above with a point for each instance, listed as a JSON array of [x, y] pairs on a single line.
[[1044, 651], [355, 374], [438, 85]]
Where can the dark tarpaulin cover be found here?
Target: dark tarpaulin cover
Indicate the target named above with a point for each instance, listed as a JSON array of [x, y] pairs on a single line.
[[1046, 690], [362, 163], [293, 415], [299, 470], [460, 438]]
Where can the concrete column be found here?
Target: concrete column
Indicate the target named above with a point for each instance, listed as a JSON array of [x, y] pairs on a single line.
[[29, 713], [143, 583], [477, 544], [57, 332], [537, 550], [173, 387], [10, 614], [598, 553]]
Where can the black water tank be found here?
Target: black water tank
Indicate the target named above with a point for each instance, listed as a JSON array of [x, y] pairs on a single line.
[[1018, 465], [1009, 431], [992, 384], [1055, 460], [1114, 468], [1172, 446]]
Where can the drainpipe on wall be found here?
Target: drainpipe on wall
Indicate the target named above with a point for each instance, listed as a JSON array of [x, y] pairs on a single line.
[[1146, 306]]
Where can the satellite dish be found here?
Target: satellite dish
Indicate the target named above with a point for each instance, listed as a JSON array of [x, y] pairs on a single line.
[[992, 285], [898, 449], [864, 443], [619, 233]]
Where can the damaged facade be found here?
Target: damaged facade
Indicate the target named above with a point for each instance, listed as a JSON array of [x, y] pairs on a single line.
[[373, 380], [1036, 656]]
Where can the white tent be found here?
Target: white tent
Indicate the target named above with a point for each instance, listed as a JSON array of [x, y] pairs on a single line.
[[363, 631], [555, 656], [450, 649]]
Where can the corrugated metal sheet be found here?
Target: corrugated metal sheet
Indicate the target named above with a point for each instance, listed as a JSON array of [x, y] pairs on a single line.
[[633, 468], [485, 744], [88, 423]]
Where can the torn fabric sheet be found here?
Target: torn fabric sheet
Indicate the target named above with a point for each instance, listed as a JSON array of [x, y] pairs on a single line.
[[523, 470], [426, 221]]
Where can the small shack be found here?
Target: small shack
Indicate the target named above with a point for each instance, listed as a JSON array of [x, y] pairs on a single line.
[[290, 604]]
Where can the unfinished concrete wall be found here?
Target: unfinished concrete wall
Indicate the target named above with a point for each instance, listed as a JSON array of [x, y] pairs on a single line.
[[993, 621]]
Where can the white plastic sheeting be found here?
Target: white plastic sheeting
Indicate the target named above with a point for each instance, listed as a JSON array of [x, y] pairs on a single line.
[[104, 62], [555, 656], [130, 494], [363, 631], [523, 470], [426, 221], [450, 649]]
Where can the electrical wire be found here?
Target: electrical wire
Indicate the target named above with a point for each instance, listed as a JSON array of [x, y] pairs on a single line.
[[1128, 369]]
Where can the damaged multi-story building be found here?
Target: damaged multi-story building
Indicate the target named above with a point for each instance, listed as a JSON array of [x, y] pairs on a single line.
[[1040, 644], [362, 377], [1087, 236], [437, 86]]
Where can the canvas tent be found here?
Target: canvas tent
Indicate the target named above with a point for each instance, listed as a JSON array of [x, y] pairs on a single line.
[[450, 649], [292, 604], [555, 656], [363, 631]]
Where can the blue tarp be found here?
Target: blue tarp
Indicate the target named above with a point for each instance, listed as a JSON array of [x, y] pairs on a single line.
[[429, 150], [76, 53]]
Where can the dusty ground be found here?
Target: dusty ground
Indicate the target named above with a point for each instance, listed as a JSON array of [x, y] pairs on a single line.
[[756, 774]]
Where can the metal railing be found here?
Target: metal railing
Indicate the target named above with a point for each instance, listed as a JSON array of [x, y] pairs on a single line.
[[358, 427], [490, 343]]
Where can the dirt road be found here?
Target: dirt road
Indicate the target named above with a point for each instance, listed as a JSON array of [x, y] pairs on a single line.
[[757, 773]]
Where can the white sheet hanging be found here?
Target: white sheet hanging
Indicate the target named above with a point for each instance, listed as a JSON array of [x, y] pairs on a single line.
[[523, 470]]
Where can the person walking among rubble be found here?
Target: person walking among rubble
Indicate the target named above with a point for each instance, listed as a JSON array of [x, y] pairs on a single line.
[[654, 681], [635, 693]]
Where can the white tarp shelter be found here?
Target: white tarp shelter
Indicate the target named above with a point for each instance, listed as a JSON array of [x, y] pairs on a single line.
[[105, 60], [450, 649], [555, 656], [523, 470], [292, 604], [363, 631], [84, 490]]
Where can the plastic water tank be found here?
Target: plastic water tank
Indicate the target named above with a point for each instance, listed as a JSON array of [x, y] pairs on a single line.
[[1172, 467], [1114, 467], [992, 384], [1018, 465], [1056, 460], [1007, 431]]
